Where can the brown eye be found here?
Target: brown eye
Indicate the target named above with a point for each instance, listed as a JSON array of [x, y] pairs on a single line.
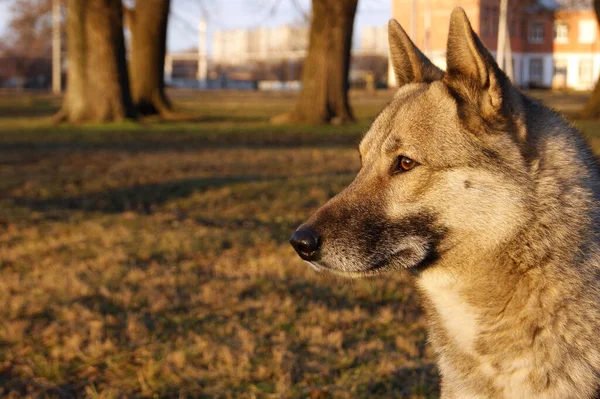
[[405, 164]]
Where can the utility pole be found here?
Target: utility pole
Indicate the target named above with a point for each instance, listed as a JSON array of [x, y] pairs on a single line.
[[502, 33], [509, 59], [168, 68], [56, 49], [202, 53]]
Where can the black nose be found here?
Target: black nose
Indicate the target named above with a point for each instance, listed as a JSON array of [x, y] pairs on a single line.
[[307, 243]]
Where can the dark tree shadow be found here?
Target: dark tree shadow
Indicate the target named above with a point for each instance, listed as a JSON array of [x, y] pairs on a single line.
[[195, 118], [421, 380], [138, 198], [12, 384], [34, 108]]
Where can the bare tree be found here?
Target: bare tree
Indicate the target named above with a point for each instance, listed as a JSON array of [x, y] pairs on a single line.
[[29, 28], [28, 36], [324, 95], [147, 23], [97, 81], [592, 108]]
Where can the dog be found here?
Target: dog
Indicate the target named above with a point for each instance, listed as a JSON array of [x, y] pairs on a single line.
[[492, 201]]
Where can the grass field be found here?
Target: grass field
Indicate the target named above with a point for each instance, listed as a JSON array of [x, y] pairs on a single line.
[[151, 260]]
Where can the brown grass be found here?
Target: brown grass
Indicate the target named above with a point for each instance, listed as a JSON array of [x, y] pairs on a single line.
[[152, 260]]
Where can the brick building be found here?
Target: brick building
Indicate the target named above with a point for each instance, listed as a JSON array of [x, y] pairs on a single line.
[[554, 43]]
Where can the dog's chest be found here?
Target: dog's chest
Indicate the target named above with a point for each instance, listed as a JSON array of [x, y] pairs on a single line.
[[467, 372], [456, 316]]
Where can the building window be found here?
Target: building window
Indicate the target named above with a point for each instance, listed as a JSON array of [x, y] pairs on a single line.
[[560, 67], [587, 31], [561, 32], [559, 78], [536, 70], [586, 71], [536, 32]]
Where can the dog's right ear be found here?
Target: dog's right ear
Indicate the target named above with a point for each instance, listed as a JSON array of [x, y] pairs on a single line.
[[410, 65]]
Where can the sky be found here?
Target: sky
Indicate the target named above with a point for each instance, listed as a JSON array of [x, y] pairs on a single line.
[[231, 14], [4, 16]]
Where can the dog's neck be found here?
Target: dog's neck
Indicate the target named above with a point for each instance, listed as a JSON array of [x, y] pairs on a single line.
[[510, 315], [562, 214], [527, 290]]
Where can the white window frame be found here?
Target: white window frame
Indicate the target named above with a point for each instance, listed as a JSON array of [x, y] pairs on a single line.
[[587, 31], [561, 32], [536, 32]]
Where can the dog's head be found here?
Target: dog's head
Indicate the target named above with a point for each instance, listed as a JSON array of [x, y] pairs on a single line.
[[443, 167]]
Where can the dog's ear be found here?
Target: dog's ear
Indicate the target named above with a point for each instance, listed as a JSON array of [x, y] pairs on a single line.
[[410, 65], [471, 70]]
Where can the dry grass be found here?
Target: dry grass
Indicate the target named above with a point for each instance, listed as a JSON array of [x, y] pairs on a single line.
[[153, 261]]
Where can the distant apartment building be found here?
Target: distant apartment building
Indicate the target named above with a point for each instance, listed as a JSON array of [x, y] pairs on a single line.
[[554, 43], [374, 40], [278, 53], [239, 46]]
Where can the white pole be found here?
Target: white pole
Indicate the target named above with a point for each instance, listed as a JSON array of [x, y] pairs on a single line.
[[56, 62], [502, 30], [202, 52], [509, 59], [391, 76], [168, 68]]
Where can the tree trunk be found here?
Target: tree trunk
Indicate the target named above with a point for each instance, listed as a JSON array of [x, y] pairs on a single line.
[[97, 82], [592, 107], [148, 26], [324, 95]]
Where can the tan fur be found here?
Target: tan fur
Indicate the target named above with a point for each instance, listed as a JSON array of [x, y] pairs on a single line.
[[499, 223]]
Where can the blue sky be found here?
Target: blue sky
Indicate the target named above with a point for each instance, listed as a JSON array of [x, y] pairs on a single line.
[[230, 14]]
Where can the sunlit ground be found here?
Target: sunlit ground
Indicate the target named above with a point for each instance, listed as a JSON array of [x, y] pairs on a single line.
[[152, 259]]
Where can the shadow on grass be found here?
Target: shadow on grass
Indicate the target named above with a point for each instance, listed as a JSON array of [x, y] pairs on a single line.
[[35, 108], [335, 295], [173, 139], [12, 384], [147, 200], [194, 117], [138, 198], [421, 381]]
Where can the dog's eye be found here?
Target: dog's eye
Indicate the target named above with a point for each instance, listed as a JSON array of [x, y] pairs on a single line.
[[405, 164]]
